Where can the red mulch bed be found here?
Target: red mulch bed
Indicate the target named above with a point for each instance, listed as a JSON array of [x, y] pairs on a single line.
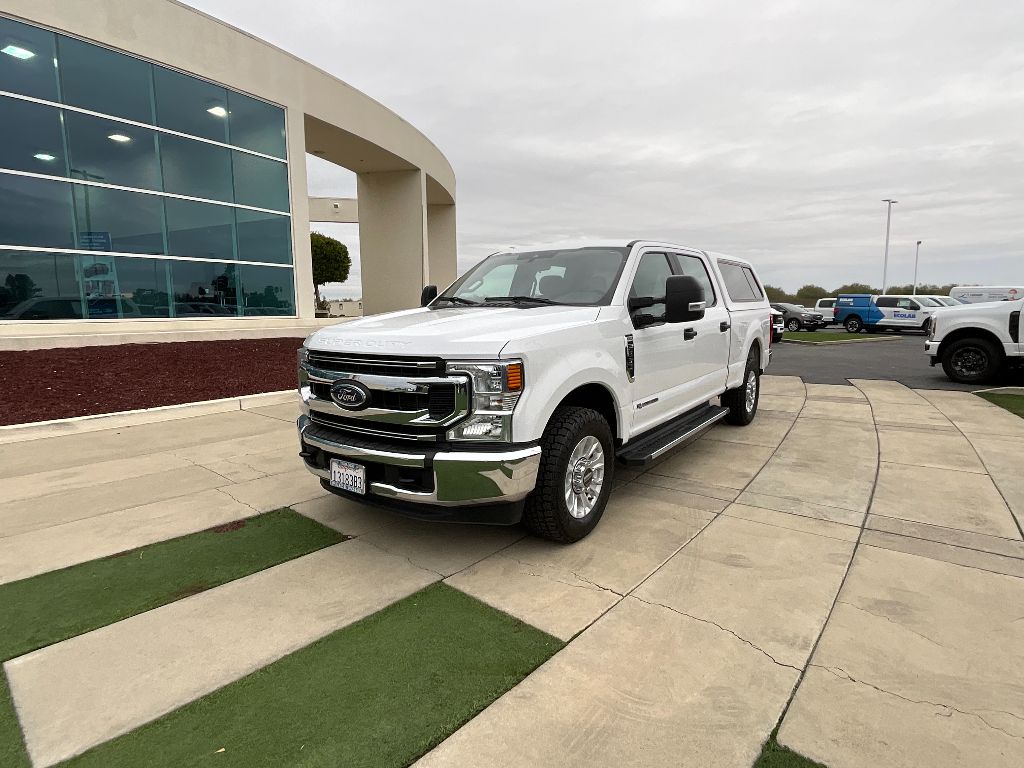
[[58, 383]]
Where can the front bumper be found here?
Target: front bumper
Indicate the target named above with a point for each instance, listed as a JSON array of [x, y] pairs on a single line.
[[931, 348], [468, 477]]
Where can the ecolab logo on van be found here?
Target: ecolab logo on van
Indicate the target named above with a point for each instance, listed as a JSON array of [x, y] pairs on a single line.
[[904, 315]]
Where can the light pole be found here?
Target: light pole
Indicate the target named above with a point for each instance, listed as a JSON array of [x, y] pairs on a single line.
[[917, 255], [888, 222]]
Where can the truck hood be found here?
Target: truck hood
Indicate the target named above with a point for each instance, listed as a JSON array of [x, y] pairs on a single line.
[[994, 308], [452, 332]]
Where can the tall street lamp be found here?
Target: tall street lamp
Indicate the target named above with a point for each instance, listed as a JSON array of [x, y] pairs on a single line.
[[917, 255], [888, 222]]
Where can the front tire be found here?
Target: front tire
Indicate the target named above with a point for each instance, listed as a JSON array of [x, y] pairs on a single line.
[[793, 325], [742, 401], [972, 361], [574, 481]]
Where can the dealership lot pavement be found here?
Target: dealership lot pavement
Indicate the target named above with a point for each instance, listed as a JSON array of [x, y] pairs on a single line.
[[851, 563]]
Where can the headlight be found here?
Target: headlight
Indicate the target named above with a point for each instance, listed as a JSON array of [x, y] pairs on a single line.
[[496, 390]]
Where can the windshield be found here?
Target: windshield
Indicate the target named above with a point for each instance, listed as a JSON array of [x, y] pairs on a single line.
[[580, 277]]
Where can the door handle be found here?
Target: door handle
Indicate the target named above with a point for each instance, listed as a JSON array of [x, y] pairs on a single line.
[[689, 333], [724, 326]]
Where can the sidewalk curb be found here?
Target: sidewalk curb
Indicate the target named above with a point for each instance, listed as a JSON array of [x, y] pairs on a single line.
[[35, 430]]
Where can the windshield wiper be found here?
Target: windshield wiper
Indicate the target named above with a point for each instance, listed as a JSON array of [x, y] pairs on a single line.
[[459, 300], [521, 299]]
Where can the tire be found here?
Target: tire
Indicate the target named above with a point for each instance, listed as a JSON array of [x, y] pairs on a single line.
[[972, 361], [854, 324], [793, 325], [547, 513], [742, 401]]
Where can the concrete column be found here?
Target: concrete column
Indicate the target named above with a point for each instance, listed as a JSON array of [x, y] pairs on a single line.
[[392, 239], [441, 255], [302, 256]]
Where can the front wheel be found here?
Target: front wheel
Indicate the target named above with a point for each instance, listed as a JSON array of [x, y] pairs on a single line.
[[793, 325], [971, 361], [742, 401], [574, 482]]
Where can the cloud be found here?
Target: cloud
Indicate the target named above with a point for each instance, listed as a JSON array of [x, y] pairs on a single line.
[[767, 130]]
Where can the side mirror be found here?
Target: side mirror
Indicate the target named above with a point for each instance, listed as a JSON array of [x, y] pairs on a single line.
[[684, 299], [640, 302], [428, 295]]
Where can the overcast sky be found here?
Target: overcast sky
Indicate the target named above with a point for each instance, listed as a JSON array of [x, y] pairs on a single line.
[[766, 130]]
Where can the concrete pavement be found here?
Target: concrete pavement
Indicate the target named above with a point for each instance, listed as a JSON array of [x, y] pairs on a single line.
[[859, 545]]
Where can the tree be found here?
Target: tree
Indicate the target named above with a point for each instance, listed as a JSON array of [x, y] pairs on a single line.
[[855, 288], [809, 294], [331, 262], [776, 294]]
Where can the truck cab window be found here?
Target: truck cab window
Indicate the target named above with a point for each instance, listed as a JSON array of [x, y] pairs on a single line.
[[651, 276], [692, 266]]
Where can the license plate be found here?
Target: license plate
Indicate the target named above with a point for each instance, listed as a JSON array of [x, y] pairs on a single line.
[[348, 476]]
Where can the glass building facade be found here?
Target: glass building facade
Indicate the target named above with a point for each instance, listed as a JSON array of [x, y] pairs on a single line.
[[129, 190]]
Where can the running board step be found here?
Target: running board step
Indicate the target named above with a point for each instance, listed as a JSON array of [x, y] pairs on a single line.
[[681, 430]]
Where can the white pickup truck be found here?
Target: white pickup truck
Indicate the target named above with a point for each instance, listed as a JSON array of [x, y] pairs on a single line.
[[511, 395], [975, 342]]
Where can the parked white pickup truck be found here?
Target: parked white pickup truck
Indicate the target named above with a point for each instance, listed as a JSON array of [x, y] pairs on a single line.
[[975, 342], [511, 394]]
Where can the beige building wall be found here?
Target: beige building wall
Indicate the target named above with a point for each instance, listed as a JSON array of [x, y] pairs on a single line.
[[400, 171]]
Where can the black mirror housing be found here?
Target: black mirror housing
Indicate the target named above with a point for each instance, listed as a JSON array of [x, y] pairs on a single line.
[[428, 295], [684, 299]]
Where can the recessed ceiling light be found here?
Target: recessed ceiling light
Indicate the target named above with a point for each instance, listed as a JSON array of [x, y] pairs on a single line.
[[17, 51], [218, 111], [120, 138], [44, 156]]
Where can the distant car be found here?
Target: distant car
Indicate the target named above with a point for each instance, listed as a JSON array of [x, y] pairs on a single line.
[[827, 308], [799, 318], [948, 301], [864, 312], [778, 326], [982, 294]]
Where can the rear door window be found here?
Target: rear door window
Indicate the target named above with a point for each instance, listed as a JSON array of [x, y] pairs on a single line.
[[885, 301]]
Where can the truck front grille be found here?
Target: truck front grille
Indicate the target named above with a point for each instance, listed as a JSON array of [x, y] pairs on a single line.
[[378, 365]]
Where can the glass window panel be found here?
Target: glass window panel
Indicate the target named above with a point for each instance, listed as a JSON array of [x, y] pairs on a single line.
[[105, 81], [256, 125], [190, 105], [736, 284], [117, 220], [38, 286], [264, 237], [123, 287], [201, 230], [204, 289], [267, 290], [30, 138], [111, 152], [27, 57], [260, 182], [35, 212], [195, 168]]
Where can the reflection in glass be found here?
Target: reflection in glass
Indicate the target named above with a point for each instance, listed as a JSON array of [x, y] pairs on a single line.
[[264, 237], [204, 289], [118, 220], [201, 230], [35, 212], [26, 60], [30, 138], [195, 168], [111, 152], [267, 290], [105, 81], [190, 105], [38, 286], [256, 125], [123, 287], [260, 182]]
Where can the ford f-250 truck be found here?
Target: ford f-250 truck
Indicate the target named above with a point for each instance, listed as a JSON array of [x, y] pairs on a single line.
[[512, 394], [975, 342]]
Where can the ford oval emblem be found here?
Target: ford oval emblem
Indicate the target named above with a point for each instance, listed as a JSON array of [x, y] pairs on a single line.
[[350, 396]]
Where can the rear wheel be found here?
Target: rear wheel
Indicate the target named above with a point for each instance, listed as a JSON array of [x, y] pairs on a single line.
[[575, 476], [854, 324], [742, 401], [971, 361]]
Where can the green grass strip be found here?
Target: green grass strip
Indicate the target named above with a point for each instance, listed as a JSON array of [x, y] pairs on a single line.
[[54, 606], [829, 337], [774, 755], [379, 692], [1012, 403], [12, 748]]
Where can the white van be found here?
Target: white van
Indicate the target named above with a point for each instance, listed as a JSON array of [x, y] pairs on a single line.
[[977, 294]]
